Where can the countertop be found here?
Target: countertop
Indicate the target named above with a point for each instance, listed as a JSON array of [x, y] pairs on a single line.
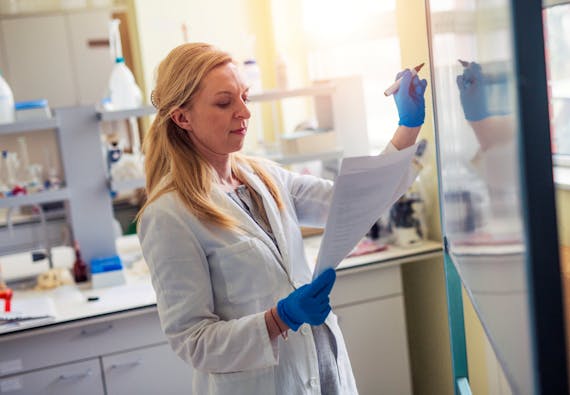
[[69, 305]]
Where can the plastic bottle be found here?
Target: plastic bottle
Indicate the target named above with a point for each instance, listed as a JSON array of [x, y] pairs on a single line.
[[7, 112], [123, 90], [252, 74]]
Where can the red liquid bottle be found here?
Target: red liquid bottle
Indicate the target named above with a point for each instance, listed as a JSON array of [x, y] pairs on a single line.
[[79, 267]]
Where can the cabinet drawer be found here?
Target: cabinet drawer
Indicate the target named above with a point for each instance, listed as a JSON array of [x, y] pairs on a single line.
[[76, 378], [151, 370], [368, 283], [81, 342]]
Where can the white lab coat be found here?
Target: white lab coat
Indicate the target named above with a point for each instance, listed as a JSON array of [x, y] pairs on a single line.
[[213, 287]]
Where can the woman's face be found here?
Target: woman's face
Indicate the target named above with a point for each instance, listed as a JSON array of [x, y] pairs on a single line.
[[219, 115]]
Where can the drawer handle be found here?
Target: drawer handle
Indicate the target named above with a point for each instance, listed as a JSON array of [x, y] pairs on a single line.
[[126, 364], [76, 376], [96, 331]]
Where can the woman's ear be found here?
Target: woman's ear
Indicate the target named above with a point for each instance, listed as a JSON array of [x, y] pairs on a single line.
[[181, 117]]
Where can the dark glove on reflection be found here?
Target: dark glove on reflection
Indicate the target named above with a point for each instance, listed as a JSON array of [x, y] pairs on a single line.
[[471, 86], [410, 100], [308, 304]]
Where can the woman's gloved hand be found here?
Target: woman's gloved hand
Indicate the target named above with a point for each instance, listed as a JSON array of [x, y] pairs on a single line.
[[471, 86], [410, 99], [308, 304]]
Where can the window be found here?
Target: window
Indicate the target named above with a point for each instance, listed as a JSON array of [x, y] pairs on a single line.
[[357, 38]]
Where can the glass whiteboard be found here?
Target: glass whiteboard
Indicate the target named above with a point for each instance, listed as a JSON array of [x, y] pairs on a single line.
[[475, 85]]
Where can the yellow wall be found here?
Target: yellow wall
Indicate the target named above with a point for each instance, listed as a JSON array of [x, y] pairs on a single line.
[[563, 214], [412, 31], [428, 328], [424, 282]]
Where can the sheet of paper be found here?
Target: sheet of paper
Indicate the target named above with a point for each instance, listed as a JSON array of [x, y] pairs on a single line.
[[365, 189]]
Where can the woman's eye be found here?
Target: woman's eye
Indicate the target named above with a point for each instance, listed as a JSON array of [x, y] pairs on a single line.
[[245, 99], [223, 104]]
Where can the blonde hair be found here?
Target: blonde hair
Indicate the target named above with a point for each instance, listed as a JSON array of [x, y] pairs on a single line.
[[172, 162]]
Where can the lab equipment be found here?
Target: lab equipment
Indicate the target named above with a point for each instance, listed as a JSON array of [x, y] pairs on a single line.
[[107, 272], [32, 109], [114, 153], [5, 293], [396, 85], [308, 304], [123, 90], [252, 75], [79, 266], [28, 174], [53, 278], [410, 100], [406, 223], [8, 172], [6, 102]]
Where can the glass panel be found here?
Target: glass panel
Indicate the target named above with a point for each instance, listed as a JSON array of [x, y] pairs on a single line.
[[477, 126], [557, 34]]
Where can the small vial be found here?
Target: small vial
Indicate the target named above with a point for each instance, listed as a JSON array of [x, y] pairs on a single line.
[[79, 266]]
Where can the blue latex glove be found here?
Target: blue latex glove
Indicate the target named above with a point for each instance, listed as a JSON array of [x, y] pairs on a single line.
[[471, 86], [308, 304], [410, 99]]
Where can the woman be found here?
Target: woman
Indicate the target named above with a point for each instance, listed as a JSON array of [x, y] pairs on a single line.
[[221, 235]]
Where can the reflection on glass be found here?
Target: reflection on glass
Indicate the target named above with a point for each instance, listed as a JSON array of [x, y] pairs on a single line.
[[477, 126], [557, 34]]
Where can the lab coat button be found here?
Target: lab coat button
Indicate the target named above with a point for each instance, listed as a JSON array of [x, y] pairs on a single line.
[[305, 330], [313, 382]]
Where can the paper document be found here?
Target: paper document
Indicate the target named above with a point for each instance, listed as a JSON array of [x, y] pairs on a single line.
[[365, 188]]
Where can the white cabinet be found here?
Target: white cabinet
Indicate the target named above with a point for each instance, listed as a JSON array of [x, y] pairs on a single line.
[[151, 370], [125, 353], [71, 379], [36, 70], [61, 57], [369, 303]]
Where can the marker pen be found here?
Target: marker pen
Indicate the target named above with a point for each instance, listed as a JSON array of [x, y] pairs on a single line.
[[394, 87]]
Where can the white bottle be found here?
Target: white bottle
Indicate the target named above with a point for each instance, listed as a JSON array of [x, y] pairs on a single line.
[[123, 90], [7, 112], [252, 74]]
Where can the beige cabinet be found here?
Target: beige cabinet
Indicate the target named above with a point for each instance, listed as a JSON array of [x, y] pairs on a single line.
[[61, 57]]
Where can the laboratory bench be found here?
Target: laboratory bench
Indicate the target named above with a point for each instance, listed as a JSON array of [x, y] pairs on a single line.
[[109, 340]]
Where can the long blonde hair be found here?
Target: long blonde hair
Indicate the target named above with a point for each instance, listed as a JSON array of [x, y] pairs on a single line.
[[172, 162]]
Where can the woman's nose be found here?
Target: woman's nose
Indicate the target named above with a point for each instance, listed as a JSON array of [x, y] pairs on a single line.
[[243, 111]]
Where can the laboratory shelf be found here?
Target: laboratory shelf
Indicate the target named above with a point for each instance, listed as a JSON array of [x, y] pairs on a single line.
[[36, 198], [317, 90], [125, 114], [290, 159], [28, 126], [126, 185]]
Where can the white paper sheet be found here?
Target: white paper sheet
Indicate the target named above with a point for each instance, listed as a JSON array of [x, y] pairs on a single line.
[[364, 190]]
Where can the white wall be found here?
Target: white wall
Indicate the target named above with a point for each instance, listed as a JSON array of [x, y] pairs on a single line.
[[225, 24]]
